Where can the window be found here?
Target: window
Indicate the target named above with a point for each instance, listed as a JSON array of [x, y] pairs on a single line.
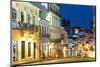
[[45, 31], [29, 49], [34, 50], [23, 49], [40, 30], [14, 50], [22, 17], [14, 14], [33, 19], [40, 13], [29, 19], [54, 22]]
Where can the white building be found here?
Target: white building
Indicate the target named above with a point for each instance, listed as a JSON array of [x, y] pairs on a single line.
[[54, 18], [44, 37], [50, 13]]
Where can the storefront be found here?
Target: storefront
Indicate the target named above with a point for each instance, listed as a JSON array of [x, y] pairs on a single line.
[[25, 48]]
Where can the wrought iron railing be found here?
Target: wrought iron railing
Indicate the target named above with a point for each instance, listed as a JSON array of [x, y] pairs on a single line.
[[24, 26]]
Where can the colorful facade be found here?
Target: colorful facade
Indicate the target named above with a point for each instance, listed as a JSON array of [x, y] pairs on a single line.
[[36, 32], [25, 33]]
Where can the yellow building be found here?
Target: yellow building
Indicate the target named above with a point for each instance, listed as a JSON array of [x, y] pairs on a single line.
[[25, 45]]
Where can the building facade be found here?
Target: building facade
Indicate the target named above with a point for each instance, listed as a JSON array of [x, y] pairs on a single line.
[[54, 18], [36, 32], [44, 37], [50, 24], [24, 29]]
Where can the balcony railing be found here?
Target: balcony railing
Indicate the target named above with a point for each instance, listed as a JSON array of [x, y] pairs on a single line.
[[45, 35], [24, 26], [55, 40]]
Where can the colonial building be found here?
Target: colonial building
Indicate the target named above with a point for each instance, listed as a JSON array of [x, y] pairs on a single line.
[[44, 30], [51, 14], [36, 32], [24, 33], [54, 18], [44, 37]]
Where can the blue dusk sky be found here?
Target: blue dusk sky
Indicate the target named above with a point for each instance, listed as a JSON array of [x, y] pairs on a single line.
[[79, 15]]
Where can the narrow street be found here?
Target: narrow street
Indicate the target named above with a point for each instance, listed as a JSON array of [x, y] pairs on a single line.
[[71, 59]]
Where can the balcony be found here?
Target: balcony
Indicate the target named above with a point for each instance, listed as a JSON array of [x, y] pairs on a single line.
[[45, 35], [56, 40], [24, 26]]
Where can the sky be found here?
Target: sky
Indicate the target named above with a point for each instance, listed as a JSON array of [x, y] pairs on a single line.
[[79, 15]]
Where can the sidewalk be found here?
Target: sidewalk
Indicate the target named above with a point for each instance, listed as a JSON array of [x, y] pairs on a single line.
[[62, 60]]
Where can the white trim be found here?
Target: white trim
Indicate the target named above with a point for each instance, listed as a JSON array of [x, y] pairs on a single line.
[[14, 7]]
